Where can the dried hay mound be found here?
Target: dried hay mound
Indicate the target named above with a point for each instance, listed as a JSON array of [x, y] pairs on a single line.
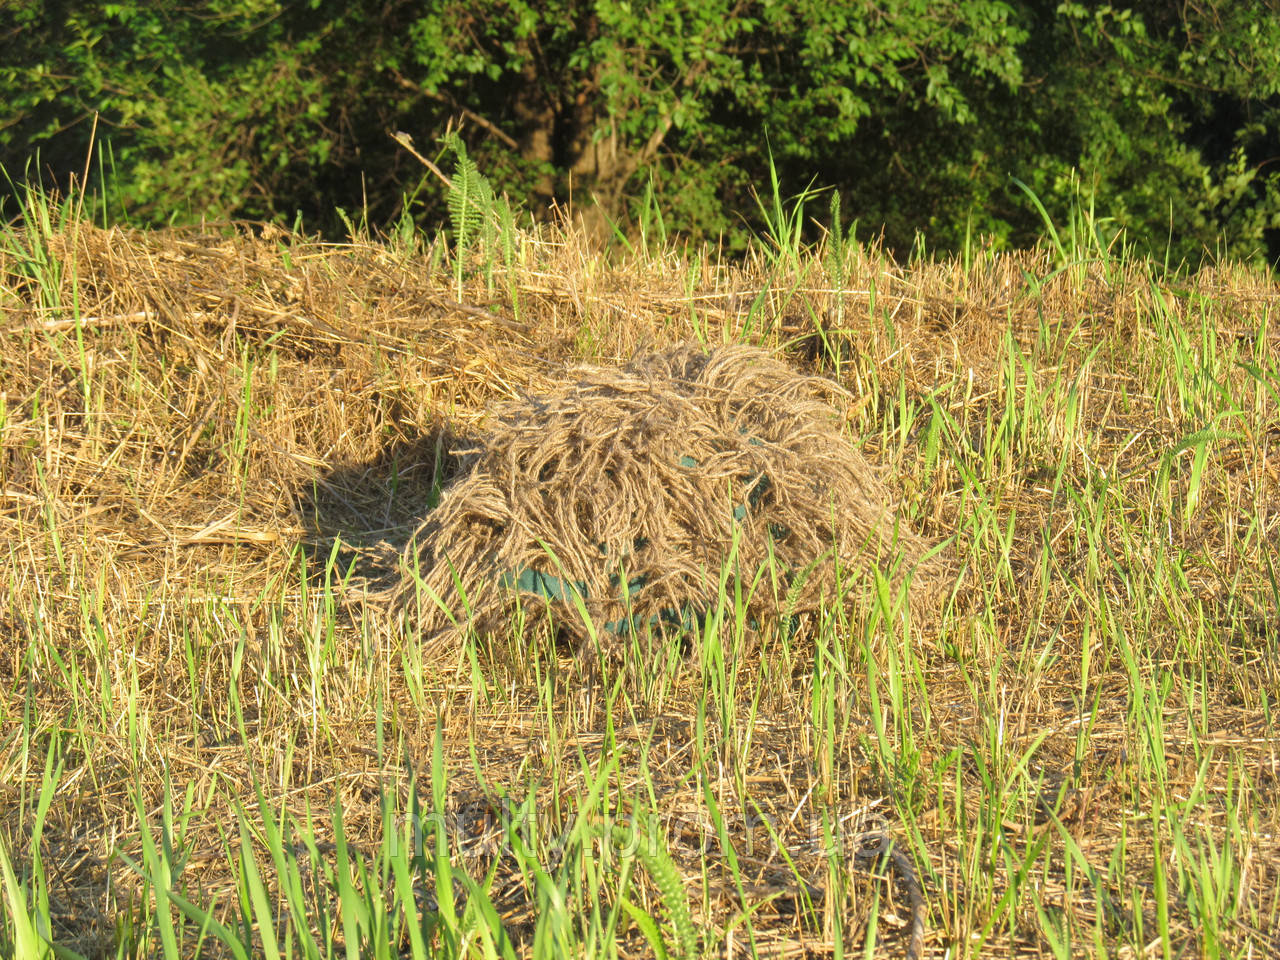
[[647, 476]]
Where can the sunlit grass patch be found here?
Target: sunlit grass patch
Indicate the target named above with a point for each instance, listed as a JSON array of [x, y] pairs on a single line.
[[215, 742]]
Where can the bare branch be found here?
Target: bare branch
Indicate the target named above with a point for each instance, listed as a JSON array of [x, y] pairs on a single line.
[[454, 104]]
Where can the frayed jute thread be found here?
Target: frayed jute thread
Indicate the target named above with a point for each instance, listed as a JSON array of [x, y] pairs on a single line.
[[623, 493]]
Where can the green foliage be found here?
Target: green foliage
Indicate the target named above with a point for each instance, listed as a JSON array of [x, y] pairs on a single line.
[[1171, 117], [484, 225], [917, 112], [470, 203], [208, 110]]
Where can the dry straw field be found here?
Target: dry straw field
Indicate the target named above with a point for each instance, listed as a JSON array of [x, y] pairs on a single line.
[[234, 722]]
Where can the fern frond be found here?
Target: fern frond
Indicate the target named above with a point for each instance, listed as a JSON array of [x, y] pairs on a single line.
[[472, 211]]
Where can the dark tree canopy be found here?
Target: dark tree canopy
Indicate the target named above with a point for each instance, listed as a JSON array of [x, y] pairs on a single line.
[[1165, 116]]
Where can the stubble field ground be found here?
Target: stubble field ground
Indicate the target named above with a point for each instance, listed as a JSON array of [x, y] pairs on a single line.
[[215, 740]]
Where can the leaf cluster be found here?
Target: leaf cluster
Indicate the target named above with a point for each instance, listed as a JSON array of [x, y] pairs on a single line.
[[1166, 118]]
